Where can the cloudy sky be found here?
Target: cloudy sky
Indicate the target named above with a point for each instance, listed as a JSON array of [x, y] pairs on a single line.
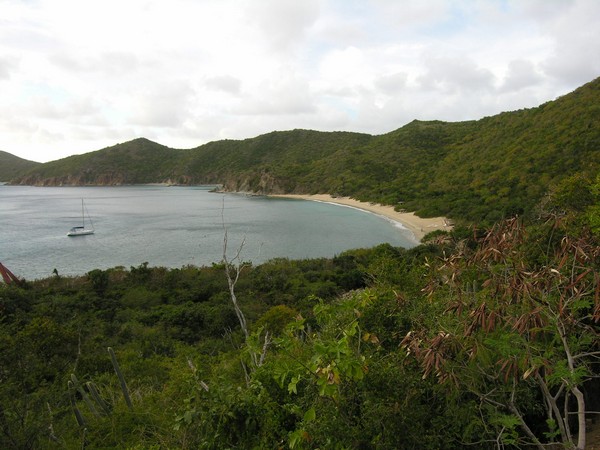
[[80, 75]]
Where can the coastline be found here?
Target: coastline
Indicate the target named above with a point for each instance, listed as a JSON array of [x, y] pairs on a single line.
[[418, 226]]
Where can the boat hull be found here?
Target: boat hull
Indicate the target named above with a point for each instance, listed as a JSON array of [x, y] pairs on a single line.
[[79, 232]]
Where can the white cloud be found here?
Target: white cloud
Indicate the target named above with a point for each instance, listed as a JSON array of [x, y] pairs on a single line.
[[7, 66], [164, 104], [521, 74], [576, 53], [455, 73], [224, 83], [392, 83], [281, 23], [78, 76]]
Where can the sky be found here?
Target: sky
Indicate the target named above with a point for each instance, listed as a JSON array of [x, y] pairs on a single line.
[[80, 75]]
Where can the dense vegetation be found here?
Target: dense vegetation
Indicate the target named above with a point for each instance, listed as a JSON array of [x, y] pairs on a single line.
[[12, 166], [485, 337], [478, 339], [480, 171]]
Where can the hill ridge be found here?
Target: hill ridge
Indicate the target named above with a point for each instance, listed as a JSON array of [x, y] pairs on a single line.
[[488, 168], [11, 165]]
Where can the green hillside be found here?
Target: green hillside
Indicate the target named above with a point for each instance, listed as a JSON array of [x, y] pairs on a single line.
[[512, 159], [12, 166], [134, 162], [480, 170], [276, 162]]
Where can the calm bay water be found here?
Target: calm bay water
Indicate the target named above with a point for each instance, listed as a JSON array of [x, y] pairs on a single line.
[[173, 227]]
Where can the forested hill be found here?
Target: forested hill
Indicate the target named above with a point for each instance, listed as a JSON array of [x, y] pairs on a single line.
[[11, 166], [135, 162], [479, 170]]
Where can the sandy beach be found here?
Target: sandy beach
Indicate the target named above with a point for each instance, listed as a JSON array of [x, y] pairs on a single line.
[[417, 225]]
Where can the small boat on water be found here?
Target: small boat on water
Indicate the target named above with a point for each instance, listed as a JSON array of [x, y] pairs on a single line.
[[82, 230]]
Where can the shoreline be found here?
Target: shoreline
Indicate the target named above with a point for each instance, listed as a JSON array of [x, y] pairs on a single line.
[[418, 226]]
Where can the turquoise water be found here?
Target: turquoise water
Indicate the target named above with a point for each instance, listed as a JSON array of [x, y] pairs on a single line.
[[173, 227]]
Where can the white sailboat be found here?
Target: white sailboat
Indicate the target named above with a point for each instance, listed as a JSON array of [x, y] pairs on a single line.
[[82, 230]]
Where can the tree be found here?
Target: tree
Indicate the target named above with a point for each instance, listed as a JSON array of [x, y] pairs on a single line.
[[233, 269], [512, 331]]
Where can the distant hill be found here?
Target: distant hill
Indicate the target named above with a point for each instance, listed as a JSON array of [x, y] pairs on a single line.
[[12, 166], [135, 162], [477, 170], [276, 162]]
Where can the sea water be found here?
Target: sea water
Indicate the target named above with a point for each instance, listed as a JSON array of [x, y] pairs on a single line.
[[173, 227]]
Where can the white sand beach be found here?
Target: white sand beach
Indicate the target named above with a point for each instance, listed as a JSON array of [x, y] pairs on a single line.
[[417, 225]]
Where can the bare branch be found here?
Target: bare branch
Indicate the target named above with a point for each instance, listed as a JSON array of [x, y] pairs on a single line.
[[264, 349]]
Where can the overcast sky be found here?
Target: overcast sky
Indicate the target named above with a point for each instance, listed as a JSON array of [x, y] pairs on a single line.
[[81, 75]]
